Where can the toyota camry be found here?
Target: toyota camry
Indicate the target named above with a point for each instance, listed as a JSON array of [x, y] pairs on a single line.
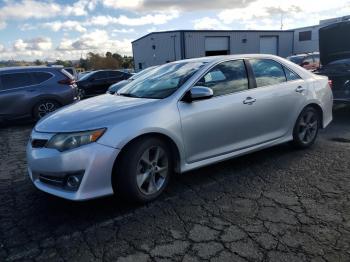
[[184, 115]]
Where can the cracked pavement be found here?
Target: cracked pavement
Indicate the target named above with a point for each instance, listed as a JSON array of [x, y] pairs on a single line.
[[278, 204]]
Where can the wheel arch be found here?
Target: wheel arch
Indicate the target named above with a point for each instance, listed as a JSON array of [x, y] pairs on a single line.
[[319, 109], [168, 140]]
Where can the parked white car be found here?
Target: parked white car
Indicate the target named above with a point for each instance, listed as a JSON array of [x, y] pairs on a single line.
[[184, 115]]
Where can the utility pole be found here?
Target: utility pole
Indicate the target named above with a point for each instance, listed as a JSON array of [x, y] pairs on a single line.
[[281, 20]]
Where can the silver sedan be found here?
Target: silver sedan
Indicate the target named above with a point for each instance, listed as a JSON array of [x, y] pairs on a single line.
[[185, 115]]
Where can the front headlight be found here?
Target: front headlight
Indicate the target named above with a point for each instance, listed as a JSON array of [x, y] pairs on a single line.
[[66, 141]]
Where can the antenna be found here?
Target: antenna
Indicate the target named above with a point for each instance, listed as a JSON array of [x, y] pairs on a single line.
[[282, 20]]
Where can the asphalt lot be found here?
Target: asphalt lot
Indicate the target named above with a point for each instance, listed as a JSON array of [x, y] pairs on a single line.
[[278, 204]]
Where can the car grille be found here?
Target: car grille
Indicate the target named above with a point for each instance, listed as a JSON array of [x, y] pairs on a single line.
[[52, 180], [38, 143]]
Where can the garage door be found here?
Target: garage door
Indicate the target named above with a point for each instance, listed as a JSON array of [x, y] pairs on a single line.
[[268, 45], [216, 45]]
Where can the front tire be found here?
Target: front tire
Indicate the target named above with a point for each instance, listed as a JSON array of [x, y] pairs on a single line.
[[143, 171], [306, 128]]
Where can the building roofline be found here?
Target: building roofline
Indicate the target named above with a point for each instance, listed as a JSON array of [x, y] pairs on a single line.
[[212, 31]]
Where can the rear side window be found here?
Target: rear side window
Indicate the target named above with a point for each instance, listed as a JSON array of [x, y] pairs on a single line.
[[40, 77], [267, 72], [16, 80], [115, 74], [290, 75], [226, 78], [100, 75]]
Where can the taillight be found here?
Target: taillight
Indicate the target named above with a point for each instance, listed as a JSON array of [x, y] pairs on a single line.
[[330, 83], [67, 81]]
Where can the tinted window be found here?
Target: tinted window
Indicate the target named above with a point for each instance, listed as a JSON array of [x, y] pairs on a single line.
[[291, 75], [16, 80], [40, 77], [225, 78], [267, 72], [100, 75], [316, 58], [305, 36], [115, 74], [308, 60], [69, 70]]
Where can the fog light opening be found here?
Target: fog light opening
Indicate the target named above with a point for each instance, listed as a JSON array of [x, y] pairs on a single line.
[[73, 182]]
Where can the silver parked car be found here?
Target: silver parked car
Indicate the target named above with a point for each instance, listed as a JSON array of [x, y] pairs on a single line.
[[185, 115]]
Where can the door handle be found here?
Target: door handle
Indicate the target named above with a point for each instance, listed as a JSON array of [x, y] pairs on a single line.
[[249, 101], [300, 89]]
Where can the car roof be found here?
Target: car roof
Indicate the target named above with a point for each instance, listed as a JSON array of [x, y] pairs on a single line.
[[213, 59], [27, 68]]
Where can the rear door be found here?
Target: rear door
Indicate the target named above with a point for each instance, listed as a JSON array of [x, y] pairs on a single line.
[[279, 95], [115, 77], [100, 82], [15, 93]]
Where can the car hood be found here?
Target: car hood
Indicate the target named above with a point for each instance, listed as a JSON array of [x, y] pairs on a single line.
[[89, 114], [333, 47]]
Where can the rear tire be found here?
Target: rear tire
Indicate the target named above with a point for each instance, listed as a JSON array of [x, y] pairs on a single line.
[[44, 107], [306, 128], [143, 170]]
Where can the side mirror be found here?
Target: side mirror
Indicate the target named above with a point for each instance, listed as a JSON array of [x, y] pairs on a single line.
[[198, 93]]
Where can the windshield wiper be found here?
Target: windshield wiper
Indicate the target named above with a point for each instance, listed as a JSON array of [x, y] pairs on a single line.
[[127, 95]]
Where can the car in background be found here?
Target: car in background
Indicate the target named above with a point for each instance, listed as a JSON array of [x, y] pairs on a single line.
[[33, 92], [97, 82], [183, 115], [114, 88], [334, 43], [338, 72], [72, 71], [310, 61]]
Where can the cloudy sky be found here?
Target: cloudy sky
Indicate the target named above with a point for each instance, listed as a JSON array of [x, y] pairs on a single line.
[[61, 29]]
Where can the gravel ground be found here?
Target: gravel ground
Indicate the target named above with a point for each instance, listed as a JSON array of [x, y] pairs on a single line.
[[278, 204]]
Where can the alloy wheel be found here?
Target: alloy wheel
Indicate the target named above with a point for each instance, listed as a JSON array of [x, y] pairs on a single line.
[[45, 108], [152, 170], [308, 126]]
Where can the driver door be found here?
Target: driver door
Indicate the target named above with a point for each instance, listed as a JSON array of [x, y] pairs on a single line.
[[223, 123]]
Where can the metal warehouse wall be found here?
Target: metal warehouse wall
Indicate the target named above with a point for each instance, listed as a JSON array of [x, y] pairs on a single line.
[[161, 47], [195, 42], [306, 46], [156, 49]]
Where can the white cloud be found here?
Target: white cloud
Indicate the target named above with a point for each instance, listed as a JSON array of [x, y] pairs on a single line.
[[266, 14], [209, 23], [35, 44], [96, 41], [156, 5], [2, 48], [27, 9], [153, 19], [124, 31], [65, 26]]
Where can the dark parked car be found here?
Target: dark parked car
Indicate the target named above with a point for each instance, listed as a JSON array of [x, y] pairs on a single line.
[[310, 61], [32, 92], [97, 82], [115, 87], [335, 57]]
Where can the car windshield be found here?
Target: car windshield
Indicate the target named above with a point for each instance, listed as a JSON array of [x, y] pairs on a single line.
[[142, 73], [162, 81], [296, 59], [86, 76]]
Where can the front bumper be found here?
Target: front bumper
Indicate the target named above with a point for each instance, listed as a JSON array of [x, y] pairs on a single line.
[[93, 162]]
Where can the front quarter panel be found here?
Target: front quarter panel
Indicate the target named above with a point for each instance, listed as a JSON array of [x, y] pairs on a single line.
[[162, 118]]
